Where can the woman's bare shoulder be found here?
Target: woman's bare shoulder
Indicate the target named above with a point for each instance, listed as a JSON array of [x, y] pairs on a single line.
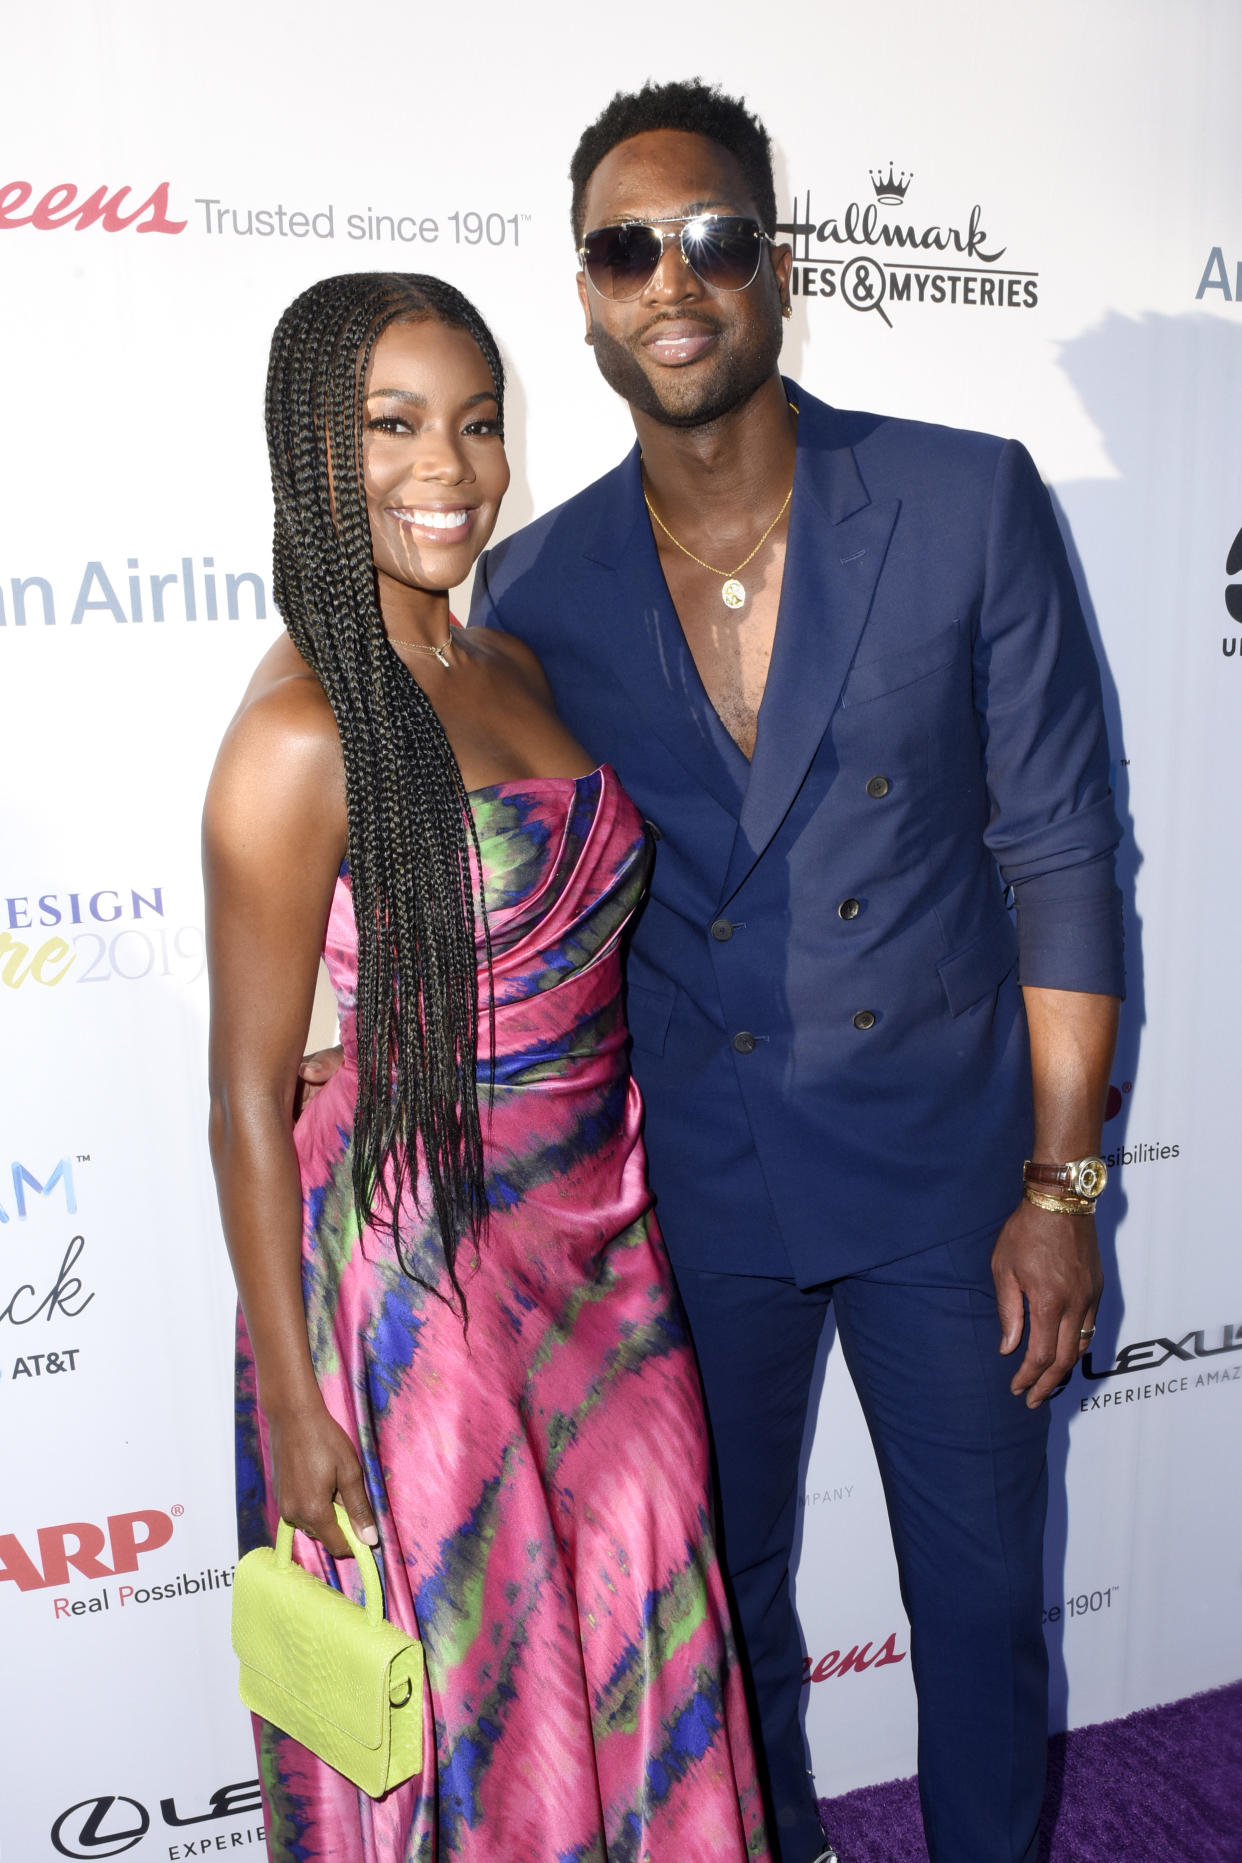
[[281, 661], [282, 743], [494, 644]]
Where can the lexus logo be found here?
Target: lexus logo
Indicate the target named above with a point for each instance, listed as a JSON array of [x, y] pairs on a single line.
[[100, 1827], [110, 1824]]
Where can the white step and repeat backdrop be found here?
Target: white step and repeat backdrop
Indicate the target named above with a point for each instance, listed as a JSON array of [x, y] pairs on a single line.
[[1069, 176]]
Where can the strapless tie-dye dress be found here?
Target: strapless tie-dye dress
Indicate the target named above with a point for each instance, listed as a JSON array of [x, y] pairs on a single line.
[[540, 1481]]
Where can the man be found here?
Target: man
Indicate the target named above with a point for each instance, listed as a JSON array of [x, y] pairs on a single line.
[[842, 712], [839, 663]]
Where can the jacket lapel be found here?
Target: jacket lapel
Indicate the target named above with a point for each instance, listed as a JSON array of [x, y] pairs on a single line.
[[835, 551], [647, 647]]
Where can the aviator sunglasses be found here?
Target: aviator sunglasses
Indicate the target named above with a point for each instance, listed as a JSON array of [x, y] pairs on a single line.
[[722, 250]]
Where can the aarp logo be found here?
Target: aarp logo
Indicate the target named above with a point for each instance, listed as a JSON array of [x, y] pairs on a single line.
[[80, 1544]]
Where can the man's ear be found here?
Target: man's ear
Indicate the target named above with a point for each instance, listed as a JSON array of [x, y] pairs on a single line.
[[585, 301], [782, 265]]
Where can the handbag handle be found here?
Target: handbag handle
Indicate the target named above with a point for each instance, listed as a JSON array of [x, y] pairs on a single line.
[[372, 1595]]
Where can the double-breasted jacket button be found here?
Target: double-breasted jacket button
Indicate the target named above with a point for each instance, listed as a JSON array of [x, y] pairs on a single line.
[[722, 931], [848, 909], [744, 1042], [865, 1019], [877, 786]]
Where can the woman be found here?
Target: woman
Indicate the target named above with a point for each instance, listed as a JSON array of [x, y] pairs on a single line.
[[458, 1317]]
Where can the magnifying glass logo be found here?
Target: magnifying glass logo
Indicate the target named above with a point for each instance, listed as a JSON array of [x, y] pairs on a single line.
[[864, 285]]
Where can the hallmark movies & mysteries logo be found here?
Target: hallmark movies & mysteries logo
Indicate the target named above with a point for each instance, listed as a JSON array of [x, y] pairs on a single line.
[[879, 254]]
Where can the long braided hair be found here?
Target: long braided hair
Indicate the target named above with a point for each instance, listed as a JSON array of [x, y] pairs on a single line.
[[410, 829]]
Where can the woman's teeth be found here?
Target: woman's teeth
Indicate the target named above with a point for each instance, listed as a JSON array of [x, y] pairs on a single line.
[[434, 520]]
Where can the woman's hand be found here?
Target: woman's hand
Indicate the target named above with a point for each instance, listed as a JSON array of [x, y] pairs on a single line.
[[314, 1073], [313, 1463]]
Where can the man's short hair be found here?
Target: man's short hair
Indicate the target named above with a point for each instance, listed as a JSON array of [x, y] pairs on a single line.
[[703, 110]]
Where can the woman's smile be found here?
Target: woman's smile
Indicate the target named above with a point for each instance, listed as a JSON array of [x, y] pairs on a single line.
[[435, 523]]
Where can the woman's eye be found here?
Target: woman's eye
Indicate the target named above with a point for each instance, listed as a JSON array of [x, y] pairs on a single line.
[[483, 427], [387, 423]]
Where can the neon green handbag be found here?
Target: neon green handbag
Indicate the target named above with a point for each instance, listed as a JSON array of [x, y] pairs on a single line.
[[335, 1675]]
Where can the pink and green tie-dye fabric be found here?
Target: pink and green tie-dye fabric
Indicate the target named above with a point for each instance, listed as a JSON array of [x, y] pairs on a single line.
[[540, 1479]]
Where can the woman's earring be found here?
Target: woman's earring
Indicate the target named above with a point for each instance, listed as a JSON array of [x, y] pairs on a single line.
[[786, 310]]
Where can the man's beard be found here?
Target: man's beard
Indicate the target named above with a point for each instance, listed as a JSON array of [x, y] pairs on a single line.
[[734, 381]]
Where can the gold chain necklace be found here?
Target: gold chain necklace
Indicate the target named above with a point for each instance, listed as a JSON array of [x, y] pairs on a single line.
[[733, 595], [420, 646]]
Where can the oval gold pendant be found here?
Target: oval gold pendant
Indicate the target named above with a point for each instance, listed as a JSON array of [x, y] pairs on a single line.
[[733, 594]]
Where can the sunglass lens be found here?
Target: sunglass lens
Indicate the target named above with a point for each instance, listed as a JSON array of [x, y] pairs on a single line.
[[725, 253], [620, 259]]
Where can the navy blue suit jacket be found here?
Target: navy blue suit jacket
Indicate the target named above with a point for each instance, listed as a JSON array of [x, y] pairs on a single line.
[[828, 1090]]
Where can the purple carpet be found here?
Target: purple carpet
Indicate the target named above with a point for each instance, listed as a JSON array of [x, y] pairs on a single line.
[[1161, 1785]]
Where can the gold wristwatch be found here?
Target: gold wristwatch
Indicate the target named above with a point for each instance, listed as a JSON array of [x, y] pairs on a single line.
[[1070, 1188]]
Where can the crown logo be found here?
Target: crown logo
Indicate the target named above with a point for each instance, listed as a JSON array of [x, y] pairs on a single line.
[[890, 188]]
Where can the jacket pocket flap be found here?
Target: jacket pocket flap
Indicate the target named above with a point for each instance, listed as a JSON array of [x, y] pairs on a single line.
[[979, 967], [889, 672]]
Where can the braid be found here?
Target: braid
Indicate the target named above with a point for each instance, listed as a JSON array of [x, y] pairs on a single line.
[[411, 834]]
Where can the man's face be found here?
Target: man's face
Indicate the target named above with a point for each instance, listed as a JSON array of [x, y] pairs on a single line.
[[680, 352]]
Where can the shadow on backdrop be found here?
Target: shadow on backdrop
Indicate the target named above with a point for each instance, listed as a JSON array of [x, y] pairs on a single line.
[[1156, 389]]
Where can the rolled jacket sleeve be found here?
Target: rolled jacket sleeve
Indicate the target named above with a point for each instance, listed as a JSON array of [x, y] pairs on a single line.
[[1052, 826]]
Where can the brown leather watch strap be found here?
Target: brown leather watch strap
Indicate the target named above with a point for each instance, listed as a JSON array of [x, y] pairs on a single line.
[[1033, 1173]]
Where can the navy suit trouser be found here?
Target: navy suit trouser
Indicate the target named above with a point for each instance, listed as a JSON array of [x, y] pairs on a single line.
[[963, 1464]]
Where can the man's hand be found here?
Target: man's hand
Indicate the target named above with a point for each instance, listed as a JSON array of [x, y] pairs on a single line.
[[1047, 1265], [314, 1073]]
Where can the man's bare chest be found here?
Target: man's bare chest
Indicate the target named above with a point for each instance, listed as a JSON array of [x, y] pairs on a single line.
[[731, 647]]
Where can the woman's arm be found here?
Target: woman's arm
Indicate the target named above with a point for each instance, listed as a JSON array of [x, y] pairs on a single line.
[[273, 839]]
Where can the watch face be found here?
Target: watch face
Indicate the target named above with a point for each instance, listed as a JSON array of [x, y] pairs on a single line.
[[1089, 1176]]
